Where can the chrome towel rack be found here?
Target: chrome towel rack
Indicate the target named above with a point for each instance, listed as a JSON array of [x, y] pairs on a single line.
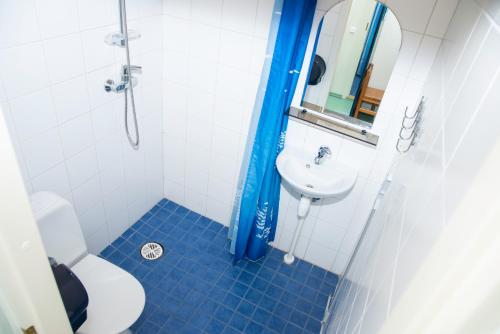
[[411, 124]]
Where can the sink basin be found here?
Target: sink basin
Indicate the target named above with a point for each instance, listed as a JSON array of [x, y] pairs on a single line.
[[328, 179]]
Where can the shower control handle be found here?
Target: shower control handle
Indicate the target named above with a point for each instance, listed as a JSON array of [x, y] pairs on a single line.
[[133, 69], [109, 85]]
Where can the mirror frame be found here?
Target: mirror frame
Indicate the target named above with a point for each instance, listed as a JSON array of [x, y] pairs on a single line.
[[328, 123]]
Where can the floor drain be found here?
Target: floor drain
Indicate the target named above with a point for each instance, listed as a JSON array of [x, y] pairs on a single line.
[[151, 251]]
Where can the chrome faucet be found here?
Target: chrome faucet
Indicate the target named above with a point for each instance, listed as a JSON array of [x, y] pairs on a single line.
[[127, 79], [323, 152]]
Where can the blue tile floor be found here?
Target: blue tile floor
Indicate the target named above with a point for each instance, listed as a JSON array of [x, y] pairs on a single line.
[[195, 288]]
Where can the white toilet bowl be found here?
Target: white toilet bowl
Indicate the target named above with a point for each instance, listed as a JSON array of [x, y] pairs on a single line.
[[116, 298]]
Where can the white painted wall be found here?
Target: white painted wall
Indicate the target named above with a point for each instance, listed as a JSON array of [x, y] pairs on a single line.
[[446, 181], [214, 52], [67, 132], [386, 51]]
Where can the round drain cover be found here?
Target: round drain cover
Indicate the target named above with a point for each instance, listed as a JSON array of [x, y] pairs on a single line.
[[151, 250]]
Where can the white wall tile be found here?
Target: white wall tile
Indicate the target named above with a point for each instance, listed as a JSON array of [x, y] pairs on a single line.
[[64, 57], [239, 15], [55, 179], [476, 86], [42, 152], [328, 234], [406, 12], [223, 168], [425, 57], [98, 241], [263, 20], [357, 156], [409, 47], [176, 66], [179, 8], [82, 166], [467, 54], [320, 255], [174, 191], [116, 214], [92, 220], [217, 211], [95, 82], [112, 178], [207, 11], [57, 17], [23, 68], [220, 190], [204, 41], [106, 119], [197, 201], [196, 176], [202, 74], [70, 99], [76, 135], [228, 113], [441, 16], [95, 13], [236, 49], [151, 8], [176, 32], [226, 142], [425, 192], [19, 19], [96, 52], [33, 113], [87, 195], [174, 159]]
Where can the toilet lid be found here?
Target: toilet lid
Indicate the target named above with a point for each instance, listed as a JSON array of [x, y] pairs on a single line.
[[116, 298]]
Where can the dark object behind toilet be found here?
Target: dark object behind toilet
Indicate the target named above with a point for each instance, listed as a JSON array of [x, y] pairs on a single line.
[[73, 294]]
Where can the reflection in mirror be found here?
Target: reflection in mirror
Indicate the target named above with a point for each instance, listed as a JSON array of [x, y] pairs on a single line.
[[356, 48]]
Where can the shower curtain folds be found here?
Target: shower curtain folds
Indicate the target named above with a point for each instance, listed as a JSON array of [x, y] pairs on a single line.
[[255, 213]]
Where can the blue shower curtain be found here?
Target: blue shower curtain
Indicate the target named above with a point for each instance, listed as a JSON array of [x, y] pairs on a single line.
[[255, 215], [371, 38]]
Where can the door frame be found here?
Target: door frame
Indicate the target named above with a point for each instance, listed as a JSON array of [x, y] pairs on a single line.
[[26, 280]]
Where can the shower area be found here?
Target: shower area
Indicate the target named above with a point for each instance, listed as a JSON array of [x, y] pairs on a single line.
[[137, 113], [82, 96]]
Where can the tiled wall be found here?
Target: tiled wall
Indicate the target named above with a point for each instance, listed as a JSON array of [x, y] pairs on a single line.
[[214, 52], [68, 133], [333, 228], [53, 61], [213, 56], [430, 183]]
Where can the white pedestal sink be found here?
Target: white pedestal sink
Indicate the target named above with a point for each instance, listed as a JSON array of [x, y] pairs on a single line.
[[328, 179]]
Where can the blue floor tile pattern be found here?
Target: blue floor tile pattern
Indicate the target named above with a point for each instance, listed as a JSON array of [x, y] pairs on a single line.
[[195, 288]]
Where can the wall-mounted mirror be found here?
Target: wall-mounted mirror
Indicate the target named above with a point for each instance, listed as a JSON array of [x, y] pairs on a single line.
[[356, 48]]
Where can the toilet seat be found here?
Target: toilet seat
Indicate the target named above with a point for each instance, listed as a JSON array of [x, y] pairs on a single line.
[[116, 298]]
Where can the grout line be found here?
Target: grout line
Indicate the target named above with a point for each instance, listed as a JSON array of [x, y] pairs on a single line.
[[473, 116]]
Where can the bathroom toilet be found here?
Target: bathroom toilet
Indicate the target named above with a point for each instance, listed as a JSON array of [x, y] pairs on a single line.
[[116, 298]]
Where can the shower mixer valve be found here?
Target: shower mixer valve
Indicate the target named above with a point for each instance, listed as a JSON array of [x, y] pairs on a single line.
[[126, 78]]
